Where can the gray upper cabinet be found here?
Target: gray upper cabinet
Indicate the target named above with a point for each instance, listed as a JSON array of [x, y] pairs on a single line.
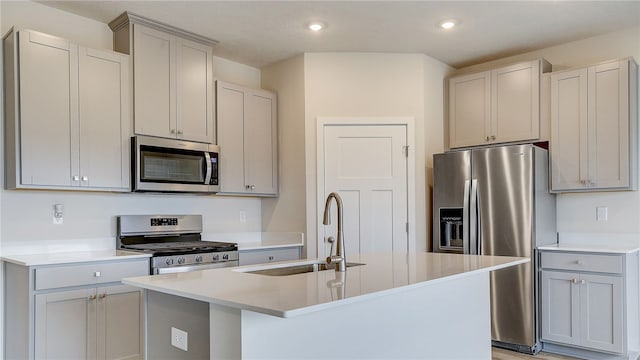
[[247, 135], [594, 127], [67, 114], [496, 106], [173, 79]]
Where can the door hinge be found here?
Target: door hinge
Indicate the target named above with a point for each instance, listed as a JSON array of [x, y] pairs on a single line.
[[405, 149]]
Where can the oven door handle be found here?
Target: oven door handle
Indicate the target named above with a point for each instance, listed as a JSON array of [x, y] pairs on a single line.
[[186, 268], [207, 159]]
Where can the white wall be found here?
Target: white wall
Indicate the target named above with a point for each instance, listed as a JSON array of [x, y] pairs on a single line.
[[287, 212], [89, 217], [577, 212], [377, 85]]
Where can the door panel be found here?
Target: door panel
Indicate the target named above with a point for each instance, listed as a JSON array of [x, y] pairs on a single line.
[[505, 201], [231, 137], [601, 312], [367, 166], [260, 152], [560, 307]]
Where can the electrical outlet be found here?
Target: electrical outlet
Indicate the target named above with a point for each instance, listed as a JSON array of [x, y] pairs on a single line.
[[179, 339], [602, 213], [243, 216], [58, 210]]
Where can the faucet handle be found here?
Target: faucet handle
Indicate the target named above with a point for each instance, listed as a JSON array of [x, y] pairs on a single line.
[[331, 240]]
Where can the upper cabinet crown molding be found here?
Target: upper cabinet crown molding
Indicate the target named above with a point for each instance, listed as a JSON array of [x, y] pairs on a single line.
[[500, 105], [128, 17]]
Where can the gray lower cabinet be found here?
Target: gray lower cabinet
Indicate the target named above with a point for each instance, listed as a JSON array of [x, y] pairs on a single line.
[[587, 299], [72, 311], [250, 257]]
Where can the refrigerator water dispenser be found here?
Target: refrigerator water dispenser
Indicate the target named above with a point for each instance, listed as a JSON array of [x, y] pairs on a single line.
[[451, 230]]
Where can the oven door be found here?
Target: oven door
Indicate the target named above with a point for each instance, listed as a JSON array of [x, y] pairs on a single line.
[[173, 165], [178, 269]]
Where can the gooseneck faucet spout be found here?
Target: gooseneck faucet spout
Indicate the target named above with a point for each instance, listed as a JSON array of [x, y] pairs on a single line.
[[339, 258]]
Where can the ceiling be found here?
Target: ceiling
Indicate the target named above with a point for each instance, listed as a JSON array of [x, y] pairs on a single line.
[[259, 33]]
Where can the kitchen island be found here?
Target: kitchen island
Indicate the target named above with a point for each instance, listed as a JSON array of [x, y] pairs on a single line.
[[420, 305]]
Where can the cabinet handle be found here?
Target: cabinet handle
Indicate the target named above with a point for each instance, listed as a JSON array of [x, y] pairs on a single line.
[[97, 274], [270, 258], [583, 282], [76, 178], [103, 295], [92, 297], [493, 137], [85, 178], [486, 138], [173, 131], [250, 187], [575, 281], [179, 132]]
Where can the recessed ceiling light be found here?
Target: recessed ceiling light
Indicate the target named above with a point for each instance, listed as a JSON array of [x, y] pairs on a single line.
[[316, 26], [448, 24]]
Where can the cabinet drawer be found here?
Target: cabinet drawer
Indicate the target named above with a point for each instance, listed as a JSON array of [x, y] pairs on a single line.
[[88, 273], [582, 262], [266, 256]]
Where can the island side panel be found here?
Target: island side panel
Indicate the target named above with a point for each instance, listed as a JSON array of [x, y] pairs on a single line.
[[444, 320]]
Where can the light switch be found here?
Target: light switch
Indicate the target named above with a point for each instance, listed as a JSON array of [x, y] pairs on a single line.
[[602, 213]]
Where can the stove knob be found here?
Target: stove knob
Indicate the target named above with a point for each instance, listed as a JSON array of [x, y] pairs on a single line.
[[225, 256], [180, 260], [169, 261], [199, 258], [216, 257]]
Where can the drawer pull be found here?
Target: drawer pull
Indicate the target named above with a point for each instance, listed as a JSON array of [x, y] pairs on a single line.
[[579, 262], [271, 258], [97, 274]]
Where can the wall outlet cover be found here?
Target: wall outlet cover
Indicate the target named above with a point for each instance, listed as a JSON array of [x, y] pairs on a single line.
[[179, 339]]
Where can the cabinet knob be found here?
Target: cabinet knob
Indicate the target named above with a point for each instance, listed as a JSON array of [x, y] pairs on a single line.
[[493, 137], [103, 295], [575, 281], [250, 187], [92, 297], [173, 131], [97, 274], [85, 178], [579, 262], [583, 282], [179, 132], [271, 258], [76, 178], [486, 138]]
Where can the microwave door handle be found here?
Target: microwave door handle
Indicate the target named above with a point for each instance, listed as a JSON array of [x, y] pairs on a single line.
[[207, 176]]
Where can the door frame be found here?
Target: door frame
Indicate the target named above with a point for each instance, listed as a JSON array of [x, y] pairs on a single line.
[[408, 122]]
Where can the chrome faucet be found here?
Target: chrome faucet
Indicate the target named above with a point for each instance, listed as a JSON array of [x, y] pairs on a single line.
[[339, 258]]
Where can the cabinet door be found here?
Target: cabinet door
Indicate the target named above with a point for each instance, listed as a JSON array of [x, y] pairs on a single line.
[[260, 139], [194, 92], [48, 99], [64, 325], [104, 119], [568, 158], [601, 312], [608, 124], [469, 109], [516, 102], [120, 322], [230, 121], [154, 82], [560, 296]]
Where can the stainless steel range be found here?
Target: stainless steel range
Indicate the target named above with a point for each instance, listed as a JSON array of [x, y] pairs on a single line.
[[174, 242]]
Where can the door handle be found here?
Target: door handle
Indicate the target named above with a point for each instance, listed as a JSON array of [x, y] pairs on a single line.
[[474, 223], [465, 218]]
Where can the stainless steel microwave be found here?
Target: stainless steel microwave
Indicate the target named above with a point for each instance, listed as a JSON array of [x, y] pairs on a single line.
[[167, 165]]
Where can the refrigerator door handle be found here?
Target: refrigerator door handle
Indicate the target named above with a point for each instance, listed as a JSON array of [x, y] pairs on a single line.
[[474, 228], [465, 218]]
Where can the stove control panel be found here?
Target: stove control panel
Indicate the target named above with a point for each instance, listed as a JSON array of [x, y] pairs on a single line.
[[191, 259], [164, 221]]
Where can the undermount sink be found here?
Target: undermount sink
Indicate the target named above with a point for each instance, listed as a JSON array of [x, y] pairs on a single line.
[[298, 269]]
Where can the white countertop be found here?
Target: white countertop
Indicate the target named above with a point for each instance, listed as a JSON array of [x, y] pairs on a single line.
[[286, 296], [623, 243], [259, 240], [71, 257]]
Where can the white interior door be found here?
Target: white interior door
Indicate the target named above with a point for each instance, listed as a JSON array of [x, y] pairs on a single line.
[[367, 166]]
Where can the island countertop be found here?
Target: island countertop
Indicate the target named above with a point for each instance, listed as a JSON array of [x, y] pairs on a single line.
[[292, 295]]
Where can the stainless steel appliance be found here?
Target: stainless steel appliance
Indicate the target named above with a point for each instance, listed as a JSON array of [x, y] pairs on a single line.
[[167, 165], [495, 201], [175, 243]]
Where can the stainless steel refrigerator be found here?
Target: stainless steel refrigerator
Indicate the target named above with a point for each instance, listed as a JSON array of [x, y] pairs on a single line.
[[495, 201]]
